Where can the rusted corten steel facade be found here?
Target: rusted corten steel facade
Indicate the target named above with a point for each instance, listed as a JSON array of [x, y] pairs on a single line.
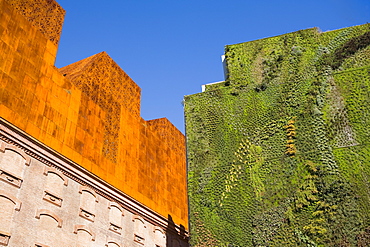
[[88, 111]]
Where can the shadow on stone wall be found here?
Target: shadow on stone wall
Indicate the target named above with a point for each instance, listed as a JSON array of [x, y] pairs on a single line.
[[176, 237]]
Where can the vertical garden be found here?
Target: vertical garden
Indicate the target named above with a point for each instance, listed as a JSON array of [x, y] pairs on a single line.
[[279, 154]]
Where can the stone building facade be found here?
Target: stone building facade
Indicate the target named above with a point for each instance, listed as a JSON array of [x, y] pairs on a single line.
[[47, 200], [78, 165]]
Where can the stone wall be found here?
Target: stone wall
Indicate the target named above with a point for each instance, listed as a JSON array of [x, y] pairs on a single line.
[[47, 200]]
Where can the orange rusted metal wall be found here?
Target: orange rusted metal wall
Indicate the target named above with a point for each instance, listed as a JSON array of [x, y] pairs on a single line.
[[88, 111]]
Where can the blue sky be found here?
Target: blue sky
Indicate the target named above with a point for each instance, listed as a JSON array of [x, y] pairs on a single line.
[[170, 48]]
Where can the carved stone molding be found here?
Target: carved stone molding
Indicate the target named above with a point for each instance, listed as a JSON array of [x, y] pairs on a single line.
[[87, 215], [139, 218], [50, 197], [115, 228], [139, 239], [16, 201], [5, 146], [10, 178], [91, 191], [157, 228], [51, 214], [41, 245], [112, 242], [4, 238], [114, 204], [86, 229], [48, 169]]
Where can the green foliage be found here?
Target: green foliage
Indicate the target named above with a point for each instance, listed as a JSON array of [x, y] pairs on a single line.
[[348, 49], [279, 154], [307, 192]]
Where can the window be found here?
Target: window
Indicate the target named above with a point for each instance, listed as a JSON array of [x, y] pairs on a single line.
[[159, 237], [12, 163], [139, 229], [115, 218], [87, 203], [112, 244], [49, 224], [55, 182], [84, 236], [8, 206]]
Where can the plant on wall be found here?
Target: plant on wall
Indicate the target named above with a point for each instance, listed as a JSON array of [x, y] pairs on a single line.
[[278, 154]]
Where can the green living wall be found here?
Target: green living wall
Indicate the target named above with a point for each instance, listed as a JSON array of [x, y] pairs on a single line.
[[279, 154]]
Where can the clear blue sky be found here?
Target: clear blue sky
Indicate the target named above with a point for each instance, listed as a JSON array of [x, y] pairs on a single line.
[[171, 47]]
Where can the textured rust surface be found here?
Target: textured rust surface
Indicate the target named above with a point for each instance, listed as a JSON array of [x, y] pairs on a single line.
[[45, 15], [108, 86], [89, 111]]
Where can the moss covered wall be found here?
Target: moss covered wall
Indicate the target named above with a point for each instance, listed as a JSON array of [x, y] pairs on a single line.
[[279, 154]]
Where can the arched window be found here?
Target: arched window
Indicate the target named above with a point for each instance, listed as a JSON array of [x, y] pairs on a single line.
[[84, 236], [115, 217], [139, 229], [112, 244], [12, 163], [87, 204], [8, 206], [159, 237], [54, 186], [49, 224]]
